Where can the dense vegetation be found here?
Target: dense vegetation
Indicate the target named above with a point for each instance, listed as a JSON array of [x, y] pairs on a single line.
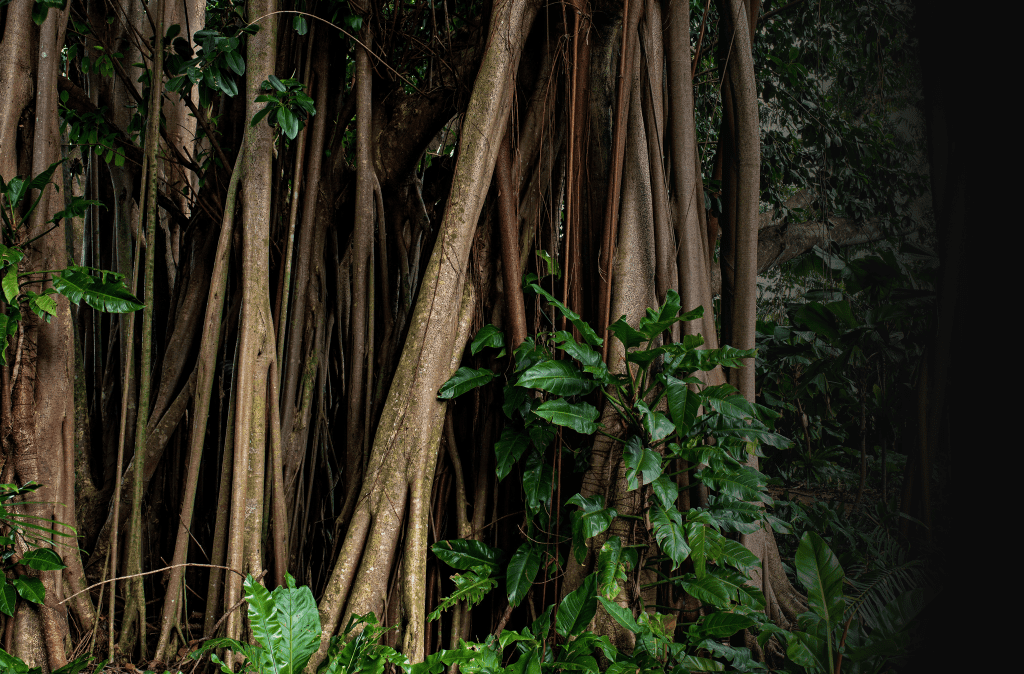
[[581, 336]]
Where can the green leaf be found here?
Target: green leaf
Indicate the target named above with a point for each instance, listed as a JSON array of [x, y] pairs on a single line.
[[592, 519], [586, 356], [8, 596], [736, 554], [464, 554], [299, 24], [537, 480], [808, 650], [720, 625], [656, 424], [487, 336], [668, 531], [660, 320], [559, 377], [622, 615], [708, 589], [464, 379], [626, 334], [580, 417], [510, 446], [666, 490], [522, 570], [235, 61], [613, 563], [42, 305], [76, 284], [276, 83], [470, 586], [577, 609], [10, 284], [552, 264], [587, 332], [640, 459], [288, 122], [30, 589], [744, 483], [299, 622], [683, 404], [818, 570], [42, 559]]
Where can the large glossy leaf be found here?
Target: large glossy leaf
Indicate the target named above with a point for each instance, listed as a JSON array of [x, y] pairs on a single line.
[[557, 376], [10, 284], [655, 424], [510, 446], [42, 559], [622, 615], [591, 519], [109, 296], [666, 490], [808, 651], [464, 379], [8, 596], [537, 480], [737, 555], [577, 609], [627, 334], [668, 531], [743, 483], [683, 404], [708, 589], [819, 572], [661, 319], [585, 355], [299, 627], [720, 625], [522, 571], [580, 417], [463, 554], [641, 460], [30, 589], [487, 336], [613, 563]]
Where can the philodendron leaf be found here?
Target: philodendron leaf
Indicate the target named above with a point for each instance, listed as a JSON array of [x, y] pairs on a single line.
[[8, 596], [668, 530], [622, 615], [683, 404], [522, 570], [299, 626], [463, 554], [487, 336], [640, 459], [818, 570], [557, 376], [464, 379], [42, 559], [510, 446], [666, 490], [30, 589], [76, 284], [744, 483], [577, 609], [587, 332], [10, 284], [591, 519], [580, 417], [720, 625], [656, 425], [626, 334], [808, 650], [265, 626], [613, 563]]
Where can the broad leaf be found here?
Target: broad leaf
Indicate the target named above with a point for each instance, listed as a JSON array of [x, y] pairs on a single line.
[[592, 519], [577, 609], [42, 559], [30, 589], [487, 336], [10, 284], [818, 570], [510, 446], [666, 490], [708, 589], [640, 459], [613, 563], [656, 425], [580, 417], [8, 596], [556, 376], [626, 334], [683, 404], [744, 483], [623, 616], [720, 625], [668, 530], [463, 554], [585, 355], [522, 570], [299, 623], [464, 379], [808, 651], [108, 296]]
